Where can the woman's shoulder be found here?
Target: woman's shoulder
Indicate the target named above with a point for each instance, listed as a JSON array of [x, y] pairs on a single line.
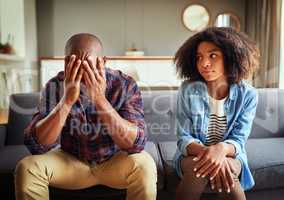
[[246, 89]]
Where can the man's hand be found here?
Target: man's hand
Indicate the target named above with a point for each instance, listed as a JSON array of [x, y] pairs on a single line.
[[73, 75], [94, 78], [224, 180], [209, 161]]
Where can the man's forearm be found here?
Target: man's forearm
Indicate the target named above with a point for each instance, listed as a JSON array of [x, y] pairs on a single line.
[[49, 128], [122, 132]]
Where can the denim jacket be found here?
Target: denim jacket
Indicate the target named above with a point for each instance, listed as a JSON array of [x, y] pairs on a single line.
[[193, 119]]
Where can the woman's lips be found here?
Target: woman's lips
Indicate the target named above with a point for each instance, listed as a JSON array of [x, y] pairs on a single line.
[[207, 72]]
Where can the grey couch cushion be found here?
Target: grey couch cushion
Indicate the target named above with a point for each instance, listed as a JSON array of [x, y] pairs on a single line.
[[22, 107], [152, 149], [168, 150], [160, 114], [269, 119], [265, 155], [10, 155], [266, 160], [3, 131]]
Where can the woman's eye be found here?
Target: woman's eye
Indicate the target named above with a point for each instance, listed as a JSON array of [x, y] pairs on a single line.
[[213, 55], [198, 58]]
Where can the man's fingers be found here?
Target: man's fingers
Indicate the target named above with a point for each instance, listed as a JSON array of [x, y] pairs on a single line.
[[101, 66], [91, 62], [75, 70], [80, 75], [89, 71], [69, 66], [87, 79]]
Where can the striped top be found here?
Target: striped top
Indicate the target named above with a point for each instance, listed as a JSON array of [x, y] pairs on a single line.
[[217, 122]]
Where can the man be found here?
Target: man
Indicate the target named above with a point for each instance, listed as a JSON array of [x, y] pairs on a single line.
[[96, 114]]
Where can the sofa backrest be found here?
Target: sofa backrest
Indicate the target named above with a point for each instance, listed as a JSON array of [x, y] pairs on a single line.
[[269, 119], [160, 112], [21, 109]]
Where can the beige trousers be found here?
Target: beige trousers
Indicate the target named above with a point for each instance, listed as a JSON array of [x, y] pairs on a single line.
[[135, 172]]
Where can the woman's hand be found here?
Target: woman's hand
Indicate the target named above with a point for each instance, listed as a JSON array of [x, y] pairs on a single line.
[[72, 78], [209, 161], [224, 180]]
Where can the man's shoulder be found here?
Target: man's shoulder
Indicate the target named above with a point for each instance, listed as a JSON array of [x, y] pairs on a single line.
[[57, 78], [114, 75]]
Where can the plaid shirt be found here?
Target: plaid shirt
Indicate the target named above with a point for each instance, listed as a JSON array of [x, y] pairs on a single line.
[[83, 135]]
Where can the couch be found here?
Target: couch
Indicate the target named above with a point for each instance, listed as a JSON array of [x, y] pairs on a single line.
[[264, 146]]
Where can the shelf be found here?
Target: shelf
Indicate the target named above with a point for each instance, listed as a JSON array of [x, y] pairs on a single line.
[[119, 58], [13, 58]]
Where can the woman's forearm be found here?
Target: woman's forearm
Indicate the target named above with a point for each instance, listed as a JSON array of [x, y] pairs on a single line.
[[194, 148]]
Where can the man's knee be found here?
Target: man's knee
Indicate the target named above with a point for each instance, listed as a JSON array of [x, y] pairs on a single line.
[[144, 164], [24, 165], [144, 169], [28, 165]]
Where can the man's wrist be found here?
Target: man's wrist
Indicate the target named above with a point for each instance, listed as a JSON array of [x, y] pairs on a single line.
[[65, 104], [99, 100]]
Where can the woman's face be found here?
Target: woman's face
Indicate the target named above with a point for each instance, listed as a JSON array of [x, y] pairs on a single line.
[[210, 62]]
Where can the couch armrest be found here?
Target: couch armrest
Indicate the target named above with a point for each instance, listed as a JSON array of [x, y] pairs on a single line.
[[152, 149], [3, 132]]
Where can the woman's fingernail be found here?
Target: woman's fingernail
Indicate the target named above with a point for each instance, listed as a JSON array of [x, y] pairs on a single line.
[[194, 169], [197, 175], [220, 190], [228, 191], [212, 187], [203, 176], [194, 159], [211, 178]]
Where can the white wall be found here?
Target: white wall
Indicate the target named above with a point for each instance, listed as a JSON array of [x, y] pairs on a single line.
[[152, 25], [30, 74]]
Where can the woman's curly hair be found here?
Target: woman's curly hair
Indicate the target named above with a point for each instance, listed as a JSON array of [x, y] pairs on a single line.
[[241, 55]]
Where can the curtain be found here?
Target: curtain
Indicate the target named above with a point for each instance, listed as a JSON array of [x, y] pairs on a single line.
[[263, 25]]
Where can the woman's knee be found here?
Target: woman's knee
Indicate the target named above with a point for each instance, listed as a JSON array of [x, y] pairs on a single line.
[[236, 165], [187, 165]]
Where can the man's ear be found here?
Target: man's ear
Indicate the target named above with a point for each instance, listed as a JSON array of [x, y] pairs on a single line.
[[104, 59]]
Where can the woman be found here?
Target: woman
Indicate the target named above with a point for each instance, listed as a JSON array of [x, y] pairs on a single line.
[[216, 108]]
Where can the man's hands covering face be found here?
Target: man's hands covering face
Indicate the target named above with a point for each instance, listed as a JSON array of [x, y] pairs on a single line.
[[91, 73], [73, 75], [94, 78]]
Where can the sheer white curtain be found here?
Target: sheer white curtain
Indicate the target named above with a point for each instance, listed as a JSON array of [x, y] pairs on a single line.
[[281, 78], [263, 24]]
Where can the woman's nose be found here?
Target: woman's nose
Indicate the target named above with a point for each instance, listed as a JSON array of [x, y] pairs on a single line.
[[206, 63]]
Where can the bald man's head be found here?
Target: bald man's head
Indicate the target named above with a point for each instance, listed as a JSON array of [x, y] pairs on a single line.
[[82, 45]]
